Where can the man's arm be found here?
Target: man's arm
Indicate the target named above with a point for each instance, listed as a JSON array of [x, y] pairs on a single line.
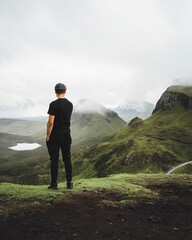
[[50, 126]]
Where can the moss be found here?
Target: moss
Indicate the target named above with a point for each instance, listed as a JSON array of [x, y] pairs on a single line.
[[181, 89]]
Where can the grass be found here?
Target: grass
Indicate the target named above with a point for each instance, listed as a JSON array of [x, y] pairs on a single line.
[[181, 89], [133, 188], [153, 145], [15, 196], [150, 146]]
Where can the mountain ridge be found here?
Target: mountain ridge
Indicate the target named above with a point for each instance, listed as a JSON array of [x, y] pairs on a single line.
[[149, 146], [94, 122], [174, 94]]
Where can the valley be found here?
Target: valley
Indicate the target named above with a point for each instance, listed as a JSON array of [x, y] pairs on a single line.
[[119, 176], [103, 143]]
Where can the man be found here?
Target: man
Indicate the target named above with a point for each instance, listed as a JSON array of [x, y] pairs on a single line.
[[58, 135]]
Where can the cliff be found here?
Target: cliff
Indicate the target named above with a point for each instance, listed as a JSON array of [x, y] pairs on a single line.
[[174, 95]]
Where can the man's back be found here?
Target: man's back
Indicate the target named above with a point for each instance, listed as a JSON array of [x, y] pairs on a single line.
[[62, 110], [58, 135]]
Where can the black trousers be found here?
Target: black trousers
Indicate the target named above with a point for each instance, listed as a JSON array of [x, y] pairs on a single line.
[[54, 145]]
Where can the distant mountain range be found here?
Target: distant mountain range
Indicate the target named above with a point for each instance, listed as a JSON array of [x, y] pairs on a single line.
[[130, 109]]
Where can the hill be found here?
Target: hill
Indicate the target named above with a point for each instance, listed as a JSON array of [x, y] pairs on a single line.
[[91, 123], [23, 127], [152, 145]]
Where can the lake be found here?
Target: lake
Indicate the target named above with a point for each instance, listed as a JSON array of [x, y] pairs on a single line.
[[25, 146]]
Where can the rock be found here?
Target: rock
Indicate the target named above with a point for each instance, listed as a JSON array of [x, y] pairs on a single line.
[[170, 97]]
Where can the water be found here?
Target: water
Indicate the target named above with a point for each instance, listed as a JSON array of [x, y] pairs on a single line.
[[25, 146]]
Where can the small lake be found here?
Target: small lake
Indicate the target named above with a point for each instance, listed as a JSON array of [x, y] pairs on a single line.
[[25, 146]]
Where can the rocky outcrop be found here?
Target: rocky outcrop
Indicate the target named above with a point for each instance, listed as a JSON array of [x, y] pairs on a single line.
[[169, 98], [135, 122]]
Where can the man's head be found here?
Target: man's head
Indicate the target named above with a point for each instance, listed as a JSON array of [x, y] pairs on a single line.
[[60, 88]]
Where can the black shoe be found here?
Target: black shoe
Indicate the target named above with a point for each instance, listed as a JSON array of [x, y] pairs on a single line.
[[53, 186], [69, 185]]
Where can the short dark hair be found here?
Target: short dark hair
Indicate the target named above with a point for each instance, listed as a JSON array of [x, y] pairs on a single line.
[[60, 91], [60, 88]]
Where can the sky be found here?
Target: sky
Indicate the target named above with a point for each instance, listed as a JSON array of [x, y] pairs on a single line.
[[105, 50]]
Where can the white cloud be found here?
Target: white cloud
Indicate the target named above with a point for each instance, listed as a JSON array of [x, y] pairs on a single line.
[[183, 82], [106, 50]]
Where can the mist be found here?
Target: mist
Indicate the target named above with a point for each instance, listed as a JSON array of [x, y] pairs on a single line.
[[182, 82], [105, 50]]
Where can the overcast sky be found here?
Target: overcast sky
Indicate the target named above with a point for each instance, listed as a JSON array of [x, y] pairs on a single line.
[[107, 50]]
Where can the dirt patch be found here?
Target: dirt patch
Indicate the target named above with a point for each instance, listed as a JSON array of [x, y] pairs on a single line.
[[97, 215]]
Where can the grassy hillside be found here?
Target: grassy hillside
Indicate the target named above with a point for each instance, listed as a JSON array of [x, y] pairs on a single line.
[[90, 128], [22, 127], [9, 140], [181, 89], [150, 146], [128, 186], [121, 206], [154, 145], [130, 189], [32, 167]]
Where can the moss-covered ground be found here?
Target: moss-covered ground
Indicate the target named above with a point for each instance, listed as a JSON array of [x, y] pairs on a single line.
[[121, 206], [131, 186]]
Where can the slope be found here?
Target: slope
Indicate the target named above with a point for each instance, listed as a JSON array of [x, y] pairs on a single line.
[[91, 123], [152, 145]]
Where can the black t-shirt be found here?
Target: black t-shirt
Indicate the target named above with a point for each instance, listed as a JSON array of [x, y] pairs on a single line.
[[62, 110]]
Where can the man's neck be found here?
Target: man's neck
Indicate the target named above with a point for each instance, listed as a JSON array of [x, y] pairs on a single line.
[[61, 95]]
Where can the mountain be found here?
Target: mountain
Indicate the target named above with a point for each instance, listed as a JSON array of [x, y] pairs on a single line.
[[175, 95], [152, 145], [130, 109], [92, 122]]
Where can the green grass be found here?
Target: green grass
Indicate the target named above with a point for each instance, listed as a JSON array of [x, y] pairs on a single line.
[[154, 145], [15, 196], [130, 189], [181, 89], [150, 146], [118, 183]]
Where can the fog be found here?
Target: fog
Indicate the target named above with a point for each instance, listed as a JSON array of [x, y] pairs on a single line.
[[105, 50]]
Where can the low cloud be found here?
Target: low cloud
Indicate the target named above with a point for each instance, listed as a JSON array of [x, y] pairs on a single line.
[[105, 50], [89, 106], [182, 82]]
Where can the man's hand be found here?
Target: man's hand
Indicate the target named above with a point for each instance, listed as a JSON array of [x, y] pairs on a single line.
[[50, 126]]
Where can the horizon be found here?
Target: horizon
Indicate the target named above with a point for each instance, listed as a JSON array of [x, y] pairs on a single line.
[[133, 102], [112, 107]]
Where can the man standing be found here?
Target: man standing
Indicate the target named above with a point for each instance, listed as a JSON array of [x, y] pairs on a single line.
[[59, 136]]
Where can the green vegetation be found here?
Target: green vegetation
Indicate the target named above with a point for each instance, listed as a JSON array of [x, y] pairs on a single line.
[[153, 145], [32, 167], [150, 146], [21, 196], [181, 89], [22, 127], [90, 128], [130, 189]]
